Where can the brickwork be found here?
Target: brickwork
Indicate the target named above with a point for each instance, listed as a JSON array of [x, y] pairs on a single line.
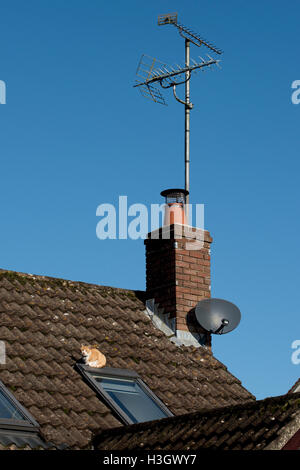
[[178, 277]]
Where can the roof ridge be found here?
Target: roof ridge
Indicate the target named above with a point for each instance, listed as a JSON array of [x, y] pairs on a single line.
[[205, 412], [17, 274], [295, 386]]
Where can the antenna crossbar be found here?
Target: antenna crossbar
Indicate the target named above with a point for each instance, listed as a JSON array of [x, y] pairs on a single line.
[[187, 33], [158, 75], [196, 39]]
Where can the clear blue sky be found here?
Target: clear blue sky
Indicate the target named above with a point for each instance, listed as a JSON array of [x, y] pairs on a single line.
[[75, 133]]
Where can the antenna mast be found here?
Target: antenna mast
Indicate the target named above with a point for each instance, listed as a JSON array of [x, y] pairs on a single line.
[[152, 71]]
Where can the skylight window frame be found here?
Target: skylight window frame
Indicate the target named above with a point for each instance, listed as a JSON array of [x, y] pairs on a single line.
[[114, 373], [28, 424]]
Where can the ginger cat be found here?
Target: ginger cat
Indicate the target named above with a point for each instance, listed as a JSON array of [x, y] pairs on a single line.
[[92, 356]]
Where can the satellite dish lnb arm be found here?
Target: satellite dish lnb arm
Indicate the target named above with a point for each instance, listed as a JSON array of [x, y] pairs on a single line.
[[223, 324]]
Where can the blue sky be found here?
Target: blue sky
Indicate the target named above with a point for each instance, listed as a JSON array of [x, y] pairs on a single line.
[[75, 134]]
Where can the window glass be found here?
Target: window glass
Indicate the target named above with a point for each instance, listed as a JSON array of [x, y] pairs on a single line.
[[131, 398], [8, 410]]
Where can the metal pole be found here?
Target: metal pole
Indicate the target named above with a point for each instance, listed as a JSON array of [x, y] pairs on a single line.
[[187, 125]]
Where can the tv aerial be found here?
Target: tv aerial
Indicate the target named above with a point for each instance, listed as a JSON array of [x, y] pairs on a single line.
[[217, 316], [152, 72]]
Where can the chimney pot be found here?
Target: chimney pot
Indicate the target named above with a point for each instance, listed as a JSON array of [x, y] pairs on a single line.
[[175, 206]]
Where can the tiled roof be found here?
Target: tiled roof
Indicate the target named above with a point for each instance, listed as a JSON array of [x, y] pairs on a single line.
[[15, 440], [269, 423], [295, 387], [43, 322]]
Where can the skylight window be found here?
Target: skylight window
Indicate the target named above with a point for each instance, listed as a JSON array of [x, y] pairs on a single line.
[[12, 413], [8, 410], [126, 394]]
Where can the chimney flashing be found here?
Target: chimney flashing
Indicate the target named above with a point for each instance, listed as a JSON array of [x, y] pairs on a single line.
[[167, 325]]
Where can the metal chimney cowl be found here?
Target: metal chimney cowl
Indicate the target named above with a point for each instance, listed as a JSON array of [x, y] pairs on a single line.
[[175, 206]]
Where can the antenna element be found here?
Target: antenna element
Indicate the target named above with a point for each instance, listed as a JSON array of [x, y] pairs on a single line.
[[151, 71]]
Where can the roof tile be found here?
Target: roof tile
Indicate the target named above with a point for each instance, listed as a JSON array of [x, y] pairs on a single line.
[[244, 426]]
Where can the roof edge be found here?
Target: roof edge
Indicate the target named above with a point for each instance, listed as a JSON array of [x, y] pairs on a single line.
[[61, 282], [292, 428]]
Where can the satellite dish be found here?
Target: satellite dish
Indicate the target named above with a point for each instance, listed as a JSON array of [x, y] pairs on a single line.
[[217, 316]]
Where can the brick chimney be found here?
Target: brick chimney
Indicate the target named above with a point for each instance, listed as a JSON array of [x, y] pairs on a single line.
[[178, 274]]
